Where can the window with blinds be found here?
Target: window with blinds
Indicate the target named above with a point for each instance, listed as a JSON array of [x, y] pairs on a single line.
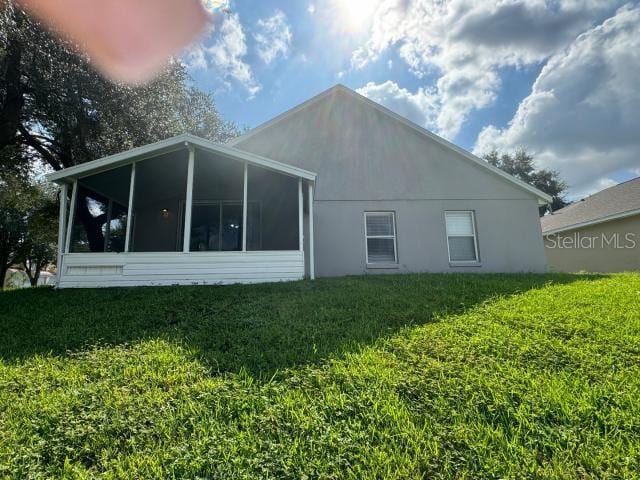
[[461, 237], [381, 237]]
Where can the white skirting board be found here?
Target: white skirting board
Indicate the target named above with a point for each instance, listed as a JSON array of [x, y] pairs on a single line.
[[100, 270]]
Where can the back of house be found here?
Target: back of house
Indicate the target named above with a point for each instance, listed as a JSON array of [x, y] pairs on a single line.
[[337, 186], [393, 197]]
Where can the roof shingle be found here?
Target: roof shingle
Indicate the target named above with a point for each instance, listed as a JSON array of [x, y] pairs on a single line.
[[616, 200]]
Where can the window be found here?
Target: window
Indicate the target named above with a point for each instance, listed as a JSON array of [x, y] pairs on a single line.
[[461, 237], [381, 237]]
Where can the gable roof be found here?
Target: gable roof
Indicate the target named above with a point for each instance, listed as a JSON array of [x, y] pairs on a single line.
[[543, 198], [171, 145], [619, 201]]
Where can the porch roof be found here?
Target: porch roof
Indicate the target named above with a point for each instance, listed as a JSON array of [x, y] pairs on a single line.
[[172, 144]]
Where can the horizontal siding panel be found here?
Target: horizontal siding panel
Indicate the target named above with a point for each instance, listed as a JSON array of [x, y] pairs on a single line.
[[144, 270], [94, 270], [207, 264], [93, 282], [186, 258], [186, 273], [176, 278], [170, 283], [212, 268], [90, 262], [162, 282]]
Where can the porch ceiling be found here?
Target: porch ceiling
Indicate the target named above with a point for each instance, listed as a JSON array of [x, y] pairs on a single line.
[[173, 144]]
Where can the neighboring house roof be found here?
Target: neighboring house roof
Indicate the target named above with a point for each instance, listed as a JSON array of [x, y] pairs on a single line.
[[169, 145], [619, 201], [543, 198]]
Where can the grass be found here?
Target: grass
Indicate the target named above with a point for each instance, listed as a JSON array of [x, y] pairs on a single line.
[[419, 376]]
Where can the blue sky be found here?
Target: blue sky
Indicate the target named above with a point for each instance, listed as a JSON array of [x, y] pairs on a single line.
[[554, 77]]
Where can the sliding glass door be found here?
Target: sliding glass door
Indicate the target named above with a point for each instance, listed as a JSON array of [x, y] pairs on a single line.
[[205, 228], [216, 226], [231, 223]]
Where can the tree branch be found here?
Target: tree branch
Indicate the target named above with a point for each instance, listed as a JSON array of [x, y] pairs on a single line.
[[38, 147]]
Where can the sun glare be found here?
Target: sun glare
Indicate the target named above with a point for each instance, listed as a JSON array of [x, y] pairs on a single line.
[[356, 14]]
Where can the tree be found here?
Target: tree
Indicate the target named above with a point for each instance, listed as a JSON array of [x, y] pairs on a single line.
[[57, 111], [39, 245], [13, 227], [521, 165], [28, 230]]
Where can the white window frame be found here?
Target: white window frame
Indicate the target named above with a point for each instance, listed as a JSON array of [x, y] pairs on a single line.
[[394, 236], [475, 238]]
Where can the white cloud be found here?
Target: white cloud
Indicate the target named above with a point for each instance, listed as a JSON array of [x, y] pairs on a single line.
[[581, 117], [226, 55], [418, 107], [465, 42], [604, 183], [195, 57], [273, 37], [460, 91], [311, 9]]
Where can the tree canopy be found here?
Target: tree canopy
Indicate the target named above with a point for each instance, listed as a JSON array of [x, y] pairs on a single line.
[[522, 165], [56, 109], [40, 240], [27, 227]]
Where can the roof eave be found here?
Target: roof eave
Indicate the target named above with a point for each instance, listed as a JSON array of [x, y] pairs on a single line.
[[165, 146], [113, 161], [597, 221]]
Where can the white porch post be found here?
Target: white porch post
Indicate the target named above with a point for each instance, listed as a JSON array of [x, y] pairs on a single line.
[[189, 202], [132, 186], [72, 213], [300, 215], [312, 264], [61, 228], [245, 207]]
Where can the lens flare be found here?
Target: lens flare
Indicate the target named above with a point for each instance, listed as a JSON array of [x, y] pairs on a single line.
[[216, 6], [357, 14]]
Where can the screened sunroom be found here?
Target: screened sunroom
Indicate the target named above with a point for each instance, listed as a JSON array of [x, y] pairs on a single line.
[[183, 211]]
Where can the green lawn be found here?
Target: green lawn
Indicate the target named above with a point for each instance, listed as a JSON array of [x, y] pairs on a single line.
[[436, 376]]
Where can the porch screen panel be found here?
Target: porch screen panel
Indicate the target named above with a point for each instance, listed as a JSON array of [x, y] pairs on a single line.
[[218, 190], [272, 217], [158, 203], [100, 220]]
